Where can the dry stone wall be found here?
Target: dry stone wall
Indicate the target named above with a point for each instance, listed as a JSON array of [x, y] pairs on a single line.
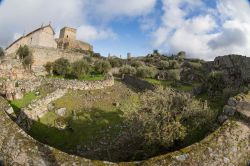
[[44, 55], [38, 108], [82, 85]]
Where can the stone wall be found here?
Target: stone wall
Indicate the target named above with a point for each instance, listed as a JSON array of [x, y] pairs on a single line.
[[82, 85], [43, 36], [44, 55]]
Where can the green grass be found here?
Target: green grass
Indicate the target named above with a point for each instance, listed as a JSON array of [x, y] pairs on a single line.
[[25, 101], [93, 77], [96, 77], [93, 120], [158, 82], [169, 84]]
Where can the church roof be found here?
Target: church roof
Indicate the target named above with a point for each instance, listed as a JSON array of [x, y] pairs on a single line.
[[38, 29]]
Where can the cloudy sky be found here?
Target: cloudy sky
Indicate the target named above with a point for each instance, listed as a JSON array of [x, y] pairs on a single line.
[[202, 28]]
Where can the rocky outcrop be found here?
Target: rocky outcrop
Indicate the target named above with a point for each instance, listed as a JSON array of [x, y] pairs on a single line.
[[236, 69]]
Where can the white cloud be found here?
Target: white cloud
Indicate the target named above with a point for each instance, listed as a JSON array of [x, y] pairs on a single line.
[[204, 32], [109, 9], [90, 33], [22, 16]]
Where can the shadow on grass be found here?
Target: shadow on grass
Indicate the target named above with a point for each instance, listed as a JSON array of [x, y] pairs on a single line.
[[83, 130]]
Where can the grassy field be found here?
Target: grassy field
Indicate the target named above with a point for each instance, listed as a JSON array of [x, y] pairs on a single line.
[[29, 97], [91, 116], [169, 84]]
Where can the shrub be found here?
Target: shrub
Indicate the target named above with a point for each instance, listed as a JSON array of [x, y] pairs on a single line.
[[181, 56], [1, 52], [102, 66], [164, 65], [115, 62], [80, 68], [28, 61], [174, 64], [146, 72], [49, 67], [23, 51], [167, 117], [174, 74], [215, 81], [127, 70], [25, 55], [61, 67], [137, 64]]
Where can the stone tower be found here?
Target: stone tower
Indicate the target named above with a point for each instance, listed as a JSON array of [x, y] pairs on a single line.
[[68, 33]]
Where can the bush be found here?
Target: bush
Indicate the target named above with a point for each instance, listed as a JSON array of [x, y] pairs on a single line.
[[174, 74], [216, 82], [164, 65], [25, 55], [1, 52], [49, 67], [146, 72], [174, 64], [137, 64], [115, 62], [80, 68], [127, 70], [102, 66], [61, 67], [23, 51], [165, 118], [28, 61]]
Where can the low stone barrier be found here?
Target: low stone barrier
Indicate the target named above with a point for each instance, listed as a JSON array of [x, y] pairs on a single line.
[[81, 85], [38, 108]]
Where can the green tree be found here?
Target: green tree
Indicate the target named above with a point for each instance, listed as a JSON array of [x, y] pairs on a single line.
[[26, 56], [61, 67], [102, 66], [23, 51], [80, 68]]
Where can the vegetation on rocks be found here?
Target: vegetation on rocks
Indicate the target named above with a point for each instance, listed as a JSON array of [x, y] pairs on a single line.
[[1, 52]]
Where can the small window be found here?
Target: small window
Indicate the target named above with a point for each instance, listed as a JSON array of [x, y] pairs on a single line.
[[67, 36]]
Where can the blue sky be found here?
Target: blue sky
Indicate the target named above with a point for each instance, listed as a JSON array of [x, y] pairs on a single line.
[[202, 28]]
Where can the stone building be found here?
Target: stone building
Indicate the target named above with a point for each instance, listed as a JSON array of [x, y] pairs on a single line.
[[67, 40], [43, 37]]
